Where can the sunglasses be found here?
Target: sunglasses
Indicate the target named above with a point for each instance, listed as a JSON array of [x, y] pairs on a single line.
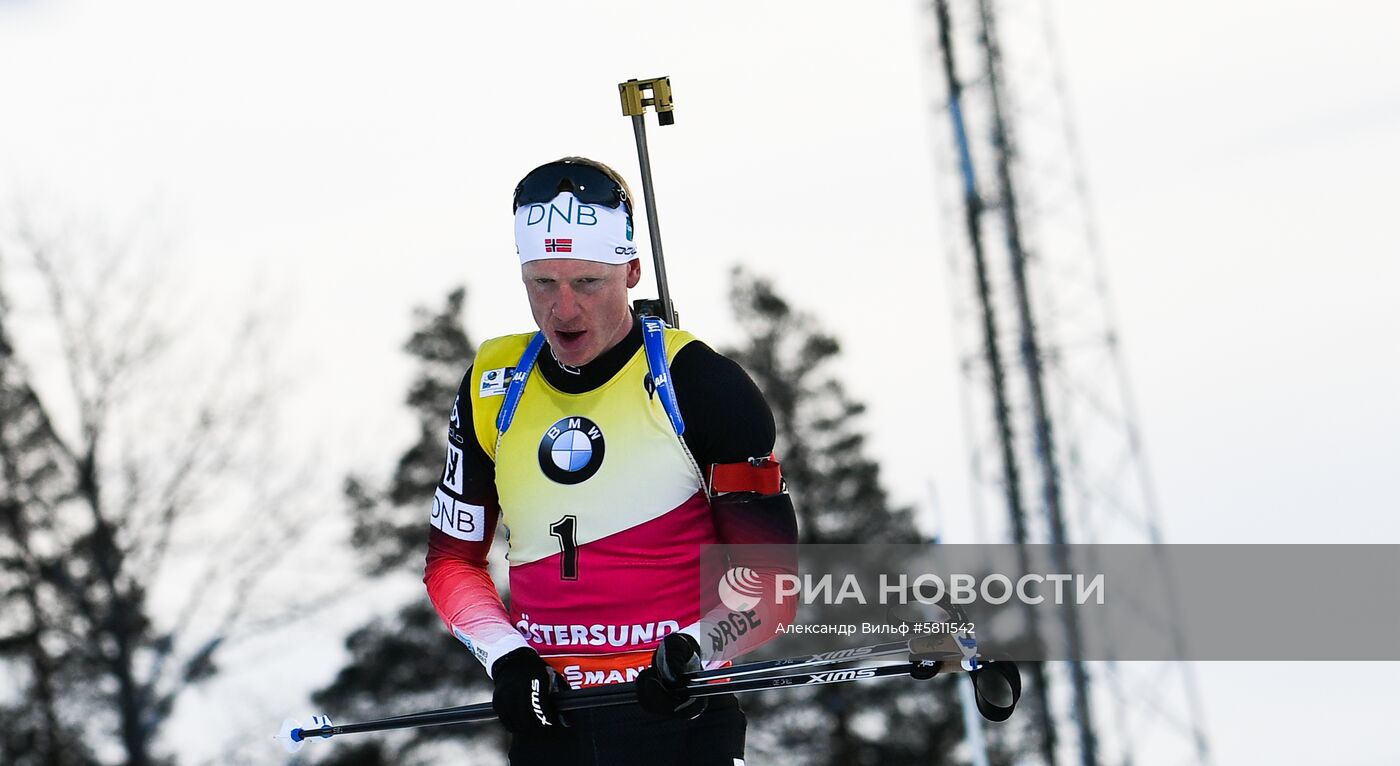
[[590, 185]]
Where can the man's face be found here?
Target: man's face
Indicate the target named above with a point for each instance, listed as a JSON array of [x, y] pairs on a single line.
[[580, 306]]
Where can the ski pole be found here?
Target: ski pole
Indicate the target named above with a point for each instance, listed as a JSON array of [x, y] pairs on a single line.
[[919, 647], [992, 681], [594, 697], [293, 735], [599, 696], [634, 105]]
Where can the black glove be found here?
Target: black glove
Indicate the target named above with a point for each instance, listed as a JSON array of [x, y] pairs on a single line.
[[661, 689], [524, 695]]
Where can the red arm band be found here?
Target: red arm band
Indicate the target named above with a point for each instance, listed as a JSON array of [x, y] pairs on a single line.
[[763, 475]]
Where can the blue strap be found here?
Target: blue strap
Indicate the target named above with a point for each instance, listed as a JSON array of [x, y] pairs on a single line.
[[654, 339], [517, 382]]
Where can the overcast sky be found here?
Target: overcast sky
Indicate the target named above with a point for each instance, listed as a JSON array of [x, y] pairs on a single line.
[[350, 160]]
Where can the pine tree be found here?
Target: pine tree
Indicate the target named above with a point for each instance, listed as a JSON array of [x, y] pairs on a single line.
[[835, 485], [409, 662], [836, 489]]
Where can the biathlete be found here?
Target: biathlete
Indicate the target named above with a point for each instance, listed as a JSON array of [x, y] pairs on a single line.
[[614, 450]]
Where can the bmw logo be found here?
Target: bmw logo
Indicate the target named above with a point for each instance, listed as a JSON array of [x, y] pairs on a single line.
[[572, 450]]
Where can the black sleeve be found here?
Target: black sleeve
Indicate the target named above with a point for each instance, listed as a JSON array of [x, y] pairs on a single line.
[[476, 483], [727, 420], [726, 417]]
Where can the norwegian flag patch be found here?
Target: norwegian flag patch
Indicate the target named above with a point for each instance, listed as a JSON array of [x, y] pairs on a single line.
[[559, 245]]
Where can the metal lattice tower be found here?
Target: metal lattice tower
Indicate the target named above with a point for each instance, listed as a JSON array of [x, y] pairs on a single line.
[[1051, 421]]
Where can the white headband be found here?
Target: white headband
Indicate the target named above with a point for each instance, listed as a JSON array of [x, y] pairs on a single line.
[[567, 228]]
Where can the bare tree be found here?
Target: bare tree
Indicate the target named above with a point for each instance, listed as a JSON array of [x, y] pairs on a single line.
[[138, 509]]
